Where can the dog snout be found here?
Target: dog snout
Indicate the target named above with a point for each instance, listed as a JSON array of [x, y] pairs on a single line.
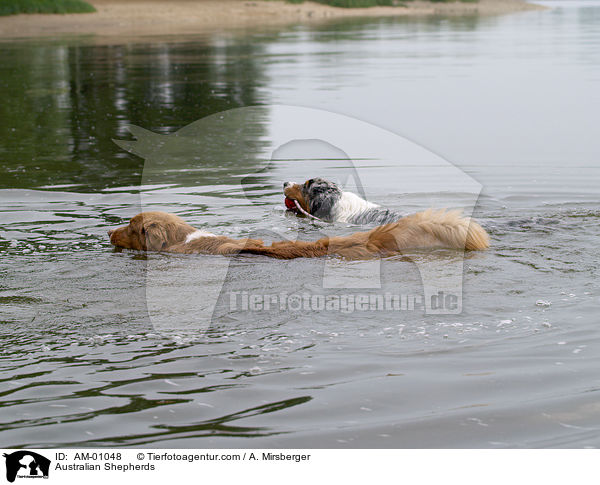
[[287, 184], [110, 231]]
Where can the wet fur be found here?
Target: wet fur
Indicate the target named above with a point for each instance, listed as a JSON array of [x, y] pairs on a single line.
[[327, 201], [160, 231]]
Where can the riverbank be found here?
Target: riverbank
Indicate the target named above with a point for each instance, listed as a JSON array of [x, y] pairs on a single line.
[[157, 17]]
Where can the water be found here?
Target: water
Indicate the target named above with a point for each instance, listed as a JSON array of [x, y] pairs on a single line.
[[512, 101]]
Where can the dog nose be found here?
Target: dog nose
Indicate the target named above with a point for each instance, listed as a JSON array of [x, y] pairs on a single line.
[[110, 231], [286, 184]]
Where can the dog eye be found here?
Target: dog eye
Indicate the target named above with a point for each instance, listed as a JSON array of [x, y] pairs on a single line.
[[309, 182]]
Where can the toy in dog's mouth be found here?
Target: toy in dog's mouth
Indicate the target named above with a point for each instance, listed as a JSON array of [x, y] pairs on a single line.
[[294, 206], [291, 204]]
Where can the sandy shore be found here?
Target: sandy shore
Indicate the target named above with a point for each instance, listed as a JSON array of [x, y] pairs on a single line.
[[157, 17]]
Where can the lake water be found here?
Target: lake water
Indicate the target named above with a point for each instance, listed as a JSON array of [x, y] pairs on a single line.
[[511, 102]]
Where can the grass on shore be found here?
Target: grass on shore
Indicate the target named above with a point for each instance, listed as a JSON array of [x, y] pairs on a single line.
[[13, 7], [369, 3]]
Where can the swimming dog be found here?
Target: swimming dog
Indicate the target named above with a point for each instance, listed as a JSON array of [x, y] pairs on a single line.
[[326, 201], [161, 231]]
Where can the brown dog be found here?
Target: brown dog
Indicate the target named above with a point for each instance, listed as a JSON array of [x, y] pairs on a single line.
[[160, 231]]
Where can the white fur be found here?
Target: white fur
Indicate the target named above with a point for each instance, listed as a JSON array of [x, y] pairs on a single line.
[[198, 234], [350, 205]]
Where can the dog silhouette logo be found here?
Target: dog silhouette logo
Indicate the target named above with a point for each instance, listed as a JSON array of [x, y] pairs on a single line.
[[25, 463]]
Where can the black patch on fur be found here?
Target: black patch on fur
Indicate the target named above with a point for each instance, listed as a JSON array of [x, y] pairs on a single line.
[[321, 196]]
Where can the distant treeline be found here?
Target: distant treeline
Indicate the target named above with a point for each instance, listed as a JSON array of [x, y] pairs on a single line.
[[13, 7]]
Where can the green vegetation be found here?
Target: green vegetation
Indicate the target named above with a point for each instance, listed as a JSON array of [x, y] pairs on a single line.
[[13, 7], [369, 3]]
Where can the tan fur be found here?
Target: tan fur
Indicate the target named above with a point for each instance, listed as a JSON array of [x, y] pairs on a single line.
[[294, 192], [151, 231], [434, 228], [159, 231]]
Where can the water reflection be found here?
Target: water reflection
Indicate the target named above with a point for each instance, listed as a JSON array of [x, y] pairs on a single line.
[[512, 99], [63, 104]]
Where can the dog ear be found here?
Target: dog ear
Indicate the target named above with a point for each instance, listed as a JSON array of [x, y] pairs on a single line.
[[156, 236]]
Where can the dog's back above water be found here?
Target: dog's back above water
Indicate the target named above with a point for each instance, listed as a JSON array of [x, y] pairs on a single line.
[[161, 231]]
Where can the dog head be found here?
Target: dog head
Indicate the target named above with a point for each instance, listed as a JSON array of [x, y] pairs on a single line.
[[316, 196], [151, 231]]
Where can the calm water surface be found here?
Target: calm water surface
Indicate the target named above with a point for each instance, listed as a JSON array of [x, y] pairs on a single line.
[[512, 101]]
